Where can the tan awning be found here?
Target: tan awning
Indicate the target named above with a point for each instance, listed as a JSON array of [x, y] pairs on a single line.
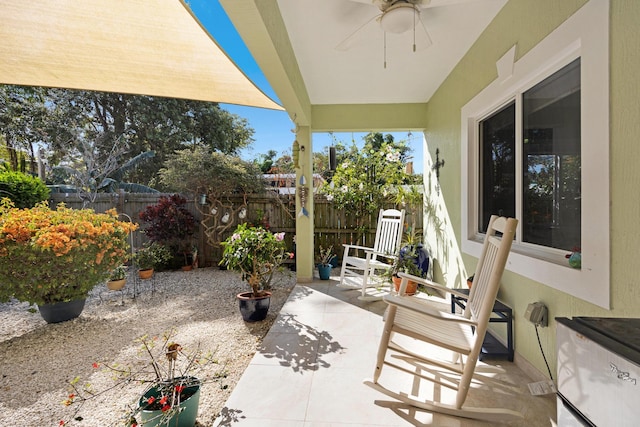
[[148, 47]]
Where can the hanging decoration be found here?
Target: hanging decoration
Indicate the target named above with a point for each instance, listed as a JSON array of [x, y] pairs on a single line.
[[303, 192], [436, 167], [296, 146], [296, 154]]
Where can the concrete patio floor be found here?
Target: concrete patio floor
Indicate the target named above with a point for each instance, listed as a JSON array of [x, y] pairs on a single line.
[[310, 367]]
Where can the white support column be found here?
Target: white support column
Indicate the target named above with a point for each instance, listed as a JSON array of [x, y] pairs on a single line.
[[304, 214]]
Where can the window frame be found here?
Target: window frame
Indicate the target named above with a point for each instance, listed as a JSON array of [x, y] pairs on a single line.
[[584, 35]]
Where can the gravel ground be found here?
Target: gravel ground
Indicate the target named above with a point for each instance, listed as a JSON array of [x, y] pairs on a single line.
[[38, 360]]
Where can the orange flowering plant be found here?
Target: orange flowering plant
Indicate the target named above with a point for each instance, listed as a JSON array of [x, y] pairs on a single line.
[[58, 255]]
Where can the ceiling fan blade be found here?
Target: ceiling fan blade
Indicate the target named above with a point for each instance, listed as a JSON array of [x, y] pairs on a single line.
[[358, 36]]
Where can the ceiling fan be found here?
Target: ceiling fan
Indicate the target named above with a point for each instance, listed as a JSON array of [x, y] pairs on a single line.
[[397, 17]]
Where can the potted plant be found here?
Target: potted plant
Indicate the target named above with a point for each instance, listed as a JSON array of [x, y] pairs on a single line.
[[190, 259], [149, 257], [170, 378], [412, 259], [54, 257], [256, 253], [324, 265], [118, 278]]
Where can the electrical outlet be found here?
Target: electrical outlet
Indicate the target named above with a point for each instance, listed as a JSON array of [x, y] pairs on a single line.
[[536, 313]]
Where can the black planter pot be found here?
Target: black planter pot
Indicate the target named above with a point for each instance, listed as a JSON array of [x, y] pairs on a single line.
[[61, 311], [253, 309]]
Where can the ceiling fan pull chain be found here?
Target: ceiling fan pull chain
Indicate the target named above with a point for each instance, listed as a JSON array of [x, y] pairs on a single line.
[[414, 31], [384, 38]]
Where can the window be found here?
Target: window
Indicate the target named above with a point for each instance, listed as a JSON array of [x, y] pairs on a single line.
[[535, 145], [548, 183], [497, 166]]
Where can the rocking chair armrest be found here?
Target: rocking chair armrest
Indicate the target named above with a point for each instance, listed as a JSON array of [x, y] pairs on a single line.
[[386, 255], [364, 248], [433, 285], [367, 250], [415, 305]]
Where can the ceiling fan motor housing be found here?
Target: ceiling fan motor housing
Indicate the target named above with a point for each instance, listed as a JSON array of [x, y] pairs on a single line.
[[399, 18]]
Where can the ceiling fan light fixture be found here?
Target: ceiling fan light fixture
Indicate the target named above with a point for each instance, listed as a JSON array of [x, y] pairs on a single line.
[[398, 18]]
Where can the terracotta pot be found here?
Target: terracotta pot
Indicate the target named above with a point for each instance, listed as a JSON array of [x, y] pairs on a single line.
[[412, 287], [187, 267], [145, 274], [116, 285]]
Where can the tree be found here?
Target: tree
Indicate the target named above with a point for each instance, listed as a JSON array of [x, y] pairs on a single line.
[[265, 162], [66, 122], [366, 180], [22, 119], [216, 176], [162, 125]]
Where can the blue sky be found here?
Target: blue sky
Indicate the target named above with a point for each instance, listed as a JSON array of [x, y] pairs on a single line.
[[273, 129]]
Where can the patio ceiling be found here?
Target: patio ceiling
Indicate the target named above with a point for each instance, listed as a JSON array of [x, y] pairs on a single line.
[[296, 43], [149, 47]]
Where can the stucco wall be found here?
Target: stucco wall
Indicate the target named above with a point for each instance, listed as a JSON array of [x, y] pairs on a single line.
[[525, 23]]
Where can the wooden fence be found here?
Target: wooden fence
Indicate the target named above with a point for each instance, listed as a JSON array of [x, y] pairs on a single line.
[[333, 227]]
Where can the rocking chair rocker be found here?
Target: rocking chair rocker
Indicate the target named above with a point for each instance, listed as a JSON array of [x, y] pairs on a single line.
[[408, 319], [361, 267]]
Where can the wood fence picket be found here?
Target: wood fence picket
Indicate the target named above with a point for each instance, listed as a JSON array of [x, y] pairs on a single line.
[[333, 226]]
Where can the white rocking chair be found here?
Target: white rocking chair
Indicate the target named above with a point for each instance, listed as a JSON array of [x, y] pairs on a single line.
[[409, 318], [366, 272]]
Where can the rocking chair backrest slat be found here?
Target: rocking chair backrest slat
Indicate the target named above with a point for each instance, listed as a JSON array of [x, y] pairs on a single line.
[[389, 231], [486, 280]]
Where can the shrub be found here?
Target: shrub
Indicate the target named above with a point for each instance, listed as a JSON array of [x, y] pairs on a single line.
[[151, 255], [256, 253], [170, 223], [49, 256], [24, 190]]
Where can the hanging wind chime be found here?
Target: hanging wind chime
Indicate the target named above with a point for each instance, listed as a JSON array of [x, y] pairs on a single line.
[[301, 189]]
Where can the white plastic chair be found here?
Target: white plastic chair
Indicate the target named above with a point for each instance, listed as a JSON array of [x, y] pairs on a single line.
[[361, 266], [461, 336]]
